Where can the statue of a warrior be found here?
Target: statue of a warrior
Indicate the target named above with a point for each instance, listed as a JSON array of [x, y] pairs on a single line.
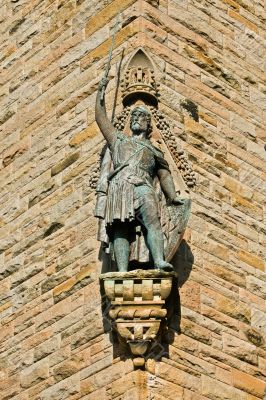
[[128, 201]]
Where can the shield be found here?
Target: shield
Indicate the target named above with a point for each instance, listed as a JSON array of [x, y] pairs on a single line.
[[178, 219], [175, 217]]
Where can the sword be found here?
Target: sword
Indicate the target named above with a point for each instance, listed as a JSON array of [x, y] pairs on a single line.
[[110, 55]]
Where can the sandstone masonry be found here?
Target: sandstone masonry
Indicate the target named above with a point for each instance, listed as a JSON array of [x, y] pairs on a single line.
[[54, 342]]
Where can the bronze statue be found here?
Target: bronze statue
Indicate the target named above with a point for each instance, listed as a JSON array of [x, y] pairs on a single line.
[[129, 202]]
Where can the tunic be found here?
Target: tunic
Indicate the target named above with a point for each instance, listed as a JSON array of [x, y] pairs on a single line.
[[135, 163]]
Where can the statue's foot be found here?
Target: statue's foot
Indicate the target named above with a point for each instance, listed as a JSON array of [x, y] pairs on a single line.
[[164, 266]]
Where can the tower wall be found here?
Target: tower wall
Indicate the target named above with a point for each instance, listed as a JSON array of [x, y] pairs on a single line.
[[54, 336]]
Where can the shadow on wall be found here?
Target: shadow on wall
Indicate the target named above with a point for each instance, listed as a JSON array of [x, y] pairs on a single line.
[[182, 262], [107, 264]]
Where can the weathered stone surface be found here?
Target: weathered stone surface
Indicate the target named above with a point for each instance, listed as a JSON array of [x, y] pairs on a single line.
[[46, 348], [34, 374], [196, 332], [234, 309], [64, 163], [190, 295], [208, 55], [87, 133], [172, 374], [15, 151], [52, 315], [240, 349], [217, 390], [61, 390], [67, 368], [70, 286], [249, 384], [256, 286]]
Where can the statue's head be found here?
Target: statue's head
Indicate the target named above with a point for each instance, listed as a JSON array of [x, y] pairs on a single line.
[[140, 121]]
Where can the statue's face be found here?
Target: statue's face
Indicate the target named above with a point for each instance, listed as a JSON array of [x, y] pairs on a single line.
[[139, 122]]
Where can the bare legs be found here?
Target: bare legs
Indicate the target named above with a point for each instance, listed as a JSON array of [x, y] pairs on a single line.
[[149, 218], [121, 246], [155, 240]]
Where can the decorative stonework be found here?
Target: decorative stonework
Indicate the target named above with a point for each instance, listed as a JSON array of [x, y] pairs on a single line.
[[54, 344], [94, 174], [137, 298], [178, 154], [138, 307], [139, 82], [121, 119]]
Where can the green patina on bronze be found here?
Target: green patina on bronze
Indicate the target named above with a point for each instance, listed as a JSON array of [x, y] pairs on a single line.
[[128, 201]]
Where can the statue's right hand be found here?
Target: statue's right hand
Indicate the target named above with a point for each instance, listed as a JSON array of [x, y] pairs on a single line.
[[103, 83]]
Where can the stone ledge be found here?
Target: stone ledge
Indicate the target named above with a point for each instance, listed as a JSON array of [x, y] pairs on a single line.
[[138, 274], [137, 310]]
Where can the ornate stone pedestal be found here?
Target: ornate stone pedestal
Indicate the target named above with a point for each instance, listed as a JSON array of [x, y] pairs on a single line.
[[138, 307]]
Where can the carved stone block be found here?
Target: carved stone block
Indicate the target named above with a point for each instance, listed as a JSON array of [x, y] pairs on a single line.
[[138, 307]]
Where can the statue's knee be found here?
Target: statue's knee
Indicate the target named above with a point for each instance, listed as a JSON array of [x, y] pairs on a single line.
[[157, 226], [153, 223]]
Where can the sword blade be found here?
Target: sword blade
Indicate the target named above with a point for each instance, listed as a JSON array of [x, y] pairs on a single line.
[[108, 67]]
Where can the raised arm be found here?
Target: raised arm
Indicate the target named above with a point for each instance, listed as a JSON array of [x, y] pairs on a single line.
[[106, 127]]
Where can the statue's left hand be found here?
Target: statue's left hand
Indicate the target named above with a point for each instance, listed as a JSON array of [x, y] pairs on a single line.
[[177, 201]]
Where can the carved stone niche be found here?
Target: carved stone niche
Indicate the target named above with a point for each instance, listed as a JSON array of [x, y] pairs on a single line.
[[137, 298], [139, 81], [138, 307]]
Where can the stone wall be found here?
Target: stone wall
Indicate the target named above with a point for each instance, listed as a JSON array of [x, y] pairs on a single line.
[[209, 52]]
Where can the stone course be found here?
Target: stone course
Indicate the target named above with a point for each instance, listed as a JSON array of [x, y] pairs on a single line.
[[54, 339]]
